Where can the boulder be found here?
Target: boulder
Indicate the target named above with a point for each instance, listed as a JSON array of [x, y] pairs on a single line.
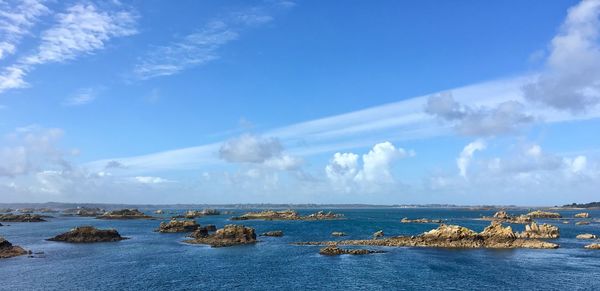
[[229, 235], [378, 233], [8, 250], [125, 214], [540, 231], [582, 223], [338, 233], [452, 232], [88, 234], [582, 215], [273, 233], [335, 251], [21, 218], [594, 246], [496, 230], [543, 214], [178, 226], [586, 236]]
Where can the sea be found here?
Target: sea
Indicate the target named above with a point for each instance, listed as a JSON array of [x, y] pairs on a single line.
[[156, 261]]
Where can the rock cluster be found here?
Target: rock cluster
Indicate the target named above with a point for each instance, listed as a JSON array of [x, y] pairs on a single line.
[[26, 210], [502, 216], [543, 214], [287, 215], [540, 231], [190, 214], [8, 250], [230, 235], [420, 220], [333, 250], [582, 215], [88, 234], [586, 236], [276, 233], [338, 233], [178, 226], [125, 214], [594, 246], [582, 223], [21, 218], [454, 236], [85, 211]]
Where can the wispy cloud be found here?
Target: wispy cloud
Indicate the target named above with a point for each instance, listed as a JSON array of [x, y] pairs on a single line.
[[81, 97], [16, 20]]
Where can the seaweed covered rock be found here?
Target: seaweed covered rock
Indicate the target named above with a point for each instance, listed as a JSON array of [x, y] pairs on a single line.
[[178, 226], [125, 214], [229, 235], [88, 234], [8, 250], [535, 230], [333, 250], [21, 218]]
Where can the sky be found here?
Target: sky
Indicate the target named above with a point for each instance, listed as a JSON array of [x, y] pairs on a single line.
[[280, 101]]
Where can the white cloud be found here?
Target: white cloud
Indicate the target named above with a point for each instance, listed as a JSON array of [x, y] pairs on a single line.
[[377, 163], [342, 169], [464, 159], [570, 77], [250, 149], [284, 162], [81, 97], [576, 165], [151, 180], [16, 20]]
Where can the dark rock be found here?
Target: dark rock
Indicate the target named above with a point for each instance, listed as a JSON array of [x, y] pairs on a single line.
[[21, 218], [88, 234], [230, 235], [178, 226], [125, 214], [420, 220], [287, 215], [338, 233], [273, 233], [333, 250], [8, 250]]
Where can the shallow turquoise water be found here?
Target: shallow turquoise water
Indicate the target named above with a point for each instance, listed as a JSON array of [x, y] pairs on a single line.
[[157, 261]]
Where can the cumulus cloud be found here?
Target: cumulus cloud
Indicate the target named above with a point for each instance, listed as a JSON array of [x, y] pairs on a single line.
[[250, 149], [569, 80], [505, 117], [346, 174], [465, 157]]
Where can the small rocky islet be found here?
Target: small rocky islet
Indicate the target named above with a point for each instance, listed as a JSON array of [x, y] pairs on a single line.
[[8, 250], [230, 235], [274, 233], [333, 250], [191, 214], [21, 218], [287, 215], [125, 214], [88, 234], [420, 220], [175, 225]]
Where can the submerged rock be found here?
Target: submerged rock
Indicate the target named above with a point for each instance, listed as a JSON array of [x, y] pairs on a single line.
[[178, 226], [276, 233], [582, 223], [586, 236], [582, 215], [21, 218], [335, 251], [88, 234], [543, 214], [230, 235], [502, 216], [594, 246], [540, 231], [287, 215], [338, 233], [420, 220], [8, 250], [125, 214], [453, 236]]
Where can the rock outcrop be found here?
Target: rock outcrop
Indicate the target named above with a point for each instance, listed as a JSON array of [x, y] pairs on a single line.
[[286, 215], [230, 235], [582, 223], [453, 236], [535, 230], [338, 233], [26, 210], [543, 214], [582, 215], [85, 211], [178, 226], [378, 234], [191, 214], [420, 220], [595, 246], [47, 210], [159, 211], [586, 236], [21, 218], [8, 250], [276, 233], [502, 216], [88, 234], [5, 210], [333, 250], [125, 214]]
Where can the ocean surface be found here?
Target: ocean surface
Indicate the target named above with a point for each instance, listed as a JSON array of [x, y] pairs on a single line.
[[155, 261]]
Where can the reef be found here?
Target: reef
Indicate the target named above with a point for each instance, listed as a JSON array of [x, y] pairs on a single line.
[[88, 234], [84, 212], [338, 233], [229, 235], [276, 233], [333, 250], [21, 218], [420, 220], [287, 215], [594, 246], [125, 214], [543, 214], [8, 250]]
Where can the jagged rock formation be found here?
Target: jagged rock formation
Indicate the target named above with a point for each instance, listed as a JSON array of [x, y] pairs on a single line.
[[502, 216], [21, 218], [191, 214], [125, 214], [287, 215], [582, 215], [543, 214], [230, 235], [333, 250], [88, 234], [338, 233], [178, 226], [378, 234], [582, 223], [276, 233], [420, 220], [453, 236], [595, 246], [540, 231], [586, 236], [8, 250], [210, 227]]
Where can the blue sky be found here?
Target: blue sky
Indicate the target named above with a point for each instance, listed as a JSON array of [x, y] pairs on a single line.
[[466, 102]]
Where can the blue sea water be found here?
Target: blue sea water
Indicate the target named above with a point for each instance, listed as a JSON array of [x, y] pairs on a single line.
[[155, 261]]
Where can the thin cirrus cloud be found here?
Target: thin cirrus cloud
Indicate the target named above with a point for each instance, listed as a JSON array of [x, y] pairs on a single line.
[[81, 97], [81, 30], [16, 20]]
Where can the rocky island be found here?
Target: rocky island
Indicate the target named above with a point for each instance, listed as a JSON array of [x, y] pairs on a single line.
[[84, 212], [276, 233], [8, 250], [582, 215], [88, 234], [594, 246], [420, 220], [502, 216], [453, 236], [287, 215], [230, 235], [543, 214], [540, 231], [21, 218], [125, 214], [178, 226], [586, 236], [333, 250]]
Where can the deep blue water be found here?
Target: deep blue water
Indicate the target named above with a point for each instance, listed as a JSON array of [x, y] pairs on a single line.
[[157, 261]]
